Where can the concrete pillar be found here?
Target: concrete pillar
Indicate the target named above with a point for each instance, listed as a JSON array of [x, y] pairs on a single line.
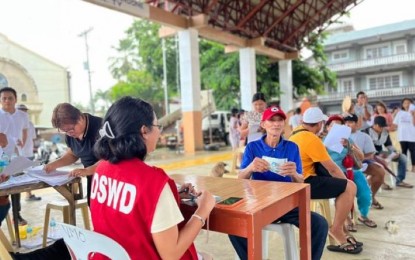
[[247, 70], [190, 90], [286, 85]]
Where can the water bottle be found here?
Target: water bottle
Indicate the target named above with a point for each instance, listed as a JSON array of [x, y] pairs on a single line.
[[52, 228], [29, 232]]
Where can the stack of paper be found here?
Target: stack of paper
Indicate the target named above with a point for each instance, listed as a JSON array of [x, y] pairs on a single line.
[[54, 178]]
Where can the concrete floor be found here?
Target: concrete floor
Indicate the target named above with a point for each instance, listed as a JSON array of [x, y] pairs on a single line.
[[378, 242]]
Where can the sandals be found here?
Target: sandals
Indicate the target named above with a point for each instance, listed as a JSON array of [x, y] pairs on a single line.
[[404, 185], [351, 227], [352, 240], [347, 248], [377, 205], [367, 222], [386, 187]]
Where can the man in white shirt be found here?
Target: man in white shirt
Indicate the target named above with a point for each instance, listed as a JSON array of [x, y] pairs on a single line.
[[365, 144], [27, 149], [363, 109], [296, 119], [17, 132]]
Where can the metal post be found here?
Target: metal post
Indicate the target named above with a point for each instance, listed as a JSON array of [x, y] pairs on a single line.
[[166, 97], [86, 66]]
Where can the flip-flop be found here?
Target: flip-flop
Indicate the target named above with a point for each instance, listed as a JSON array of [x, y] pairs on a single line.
[[386, 187], [367, 222], [352, 240], [377, 205], [351, 227], [404, 185], [347, 248]]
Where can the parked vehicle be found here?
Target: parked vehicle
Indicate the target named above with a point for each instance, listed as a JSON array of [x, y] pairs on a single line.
[[216, 127]]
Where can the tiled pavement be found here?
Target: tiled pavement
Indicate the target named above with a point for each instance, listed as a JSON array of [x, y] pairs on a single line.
[[378, 243]]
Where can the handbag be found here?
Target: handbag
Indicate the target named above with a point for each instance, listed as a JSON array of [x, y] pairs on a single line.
[[357, 164]]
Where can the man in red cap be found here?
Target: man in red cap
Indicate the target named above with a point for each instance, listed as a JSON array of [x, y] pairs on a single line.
[[272, 158]]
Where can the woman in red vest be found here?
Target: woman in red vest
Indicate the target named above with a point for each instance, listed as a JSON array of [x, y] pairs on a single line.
[[134, 203]]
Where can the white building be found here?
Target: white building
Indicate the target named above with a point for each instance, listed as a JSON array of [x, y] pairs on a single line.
[[379, 61], [40, 83]]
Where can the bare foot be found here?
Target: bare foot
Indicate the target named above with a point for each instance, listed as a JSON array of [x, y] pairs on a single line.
[[413, 169], [338, 235]]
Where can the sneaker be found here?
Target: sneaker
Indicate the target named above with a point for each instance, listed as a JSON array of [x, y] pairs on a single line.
[[33, 198], [21, 221]]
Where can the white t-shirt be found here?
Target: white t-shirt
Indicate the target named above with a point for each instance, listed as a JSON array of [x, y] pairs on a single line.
[[295, 120], [167, 212], [360, 111], [8, 128], [363, 141], [254, 123], [19, 121], [406, 128], [27, 150]]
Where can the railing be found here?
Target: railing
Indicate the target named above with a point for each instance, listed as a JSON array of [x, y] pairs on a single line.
[[372, 94], [352, 65]]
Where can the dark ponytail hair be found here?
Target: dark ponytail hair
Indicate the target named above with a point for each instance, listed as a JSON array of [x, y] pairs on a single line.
[[123, 123]]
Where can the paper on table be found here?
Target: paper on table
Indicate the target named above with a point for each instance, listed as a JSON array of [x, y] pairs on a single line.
[[18, 180], [335, 135], [54, 178], [18, 165]]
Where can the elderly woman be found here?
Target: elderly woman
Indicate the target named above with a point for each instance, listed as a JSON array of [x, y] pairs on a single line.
[[364, 195], [142, 214], [81, 131], [272, 158]]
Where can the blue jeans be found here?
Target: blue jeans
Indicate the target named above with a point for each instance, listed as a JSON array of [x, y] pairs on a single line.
[[401, 168], [319, 229]]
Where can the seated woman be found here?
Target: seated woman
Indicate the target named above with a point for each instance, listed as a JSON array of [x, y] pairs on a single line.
[[364, 194], [136, 204]]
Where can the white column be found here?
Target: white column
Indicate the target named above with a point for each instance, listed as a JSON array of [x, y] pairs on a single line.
[[189, 70], [286, 85], [247, 70], [190, 90]]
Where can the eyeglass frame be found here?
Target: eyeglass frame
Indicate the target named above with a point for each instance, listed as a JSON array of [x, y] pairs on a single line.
[[72, 130], [160, 127]]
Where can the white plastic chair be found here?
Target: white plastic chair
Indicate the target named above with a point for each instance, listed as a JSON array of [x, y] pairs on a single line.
[[81, 243], [286, 231]]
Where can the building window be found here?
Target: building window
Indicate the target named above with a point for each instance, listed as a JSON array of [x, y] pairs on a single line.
[[3, 81], [23, 98], [400, 49], [346, 85], [377, 52], [384, 81], [340, 55]]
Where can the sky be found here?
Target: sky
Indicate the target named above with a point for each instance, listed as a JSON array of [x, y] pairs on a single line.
[[51, 28]]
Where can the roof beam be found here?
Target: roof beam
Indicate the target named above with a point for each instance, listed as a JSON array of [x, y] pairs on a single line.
[[308, 21], [146, 11], [281, 17], [252, 13]]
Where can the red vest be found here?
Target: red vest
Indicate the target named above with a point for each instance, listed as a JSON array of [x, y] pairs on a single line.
[[128, 221]]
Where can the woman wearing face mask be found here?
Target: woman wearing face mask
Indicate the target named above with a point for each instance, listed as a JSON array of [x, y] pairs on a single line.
[[250, 127]]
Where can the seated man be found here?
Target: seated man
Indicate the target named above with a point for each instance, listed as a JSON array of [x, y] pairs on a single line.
[[380, 137], [331, 185], [374, 170], [256, 167]]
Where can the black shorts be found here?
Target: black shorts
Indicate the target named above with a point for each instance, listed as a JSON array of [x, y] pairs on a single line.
[[323, 187]]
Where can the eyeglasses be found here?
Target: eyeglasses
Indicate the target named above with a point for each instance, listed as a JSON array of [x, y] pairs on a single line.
[[67, 131], [160, 127]]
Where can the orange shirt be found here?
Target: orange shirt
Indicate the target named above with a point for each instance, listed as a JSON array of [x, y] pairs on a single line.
[[312, 150]]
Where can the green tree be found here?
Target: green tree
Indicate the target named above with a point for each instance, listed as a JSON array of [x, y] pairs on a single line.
[[140, 65]]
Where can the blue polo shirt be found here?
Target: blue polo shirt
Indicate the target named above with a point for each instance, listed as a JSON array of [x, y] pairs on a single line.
[[285, 149]]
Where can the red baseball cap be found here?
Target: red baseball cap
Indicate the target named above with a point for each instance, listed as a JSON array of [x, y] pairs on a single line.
[[272, 111]]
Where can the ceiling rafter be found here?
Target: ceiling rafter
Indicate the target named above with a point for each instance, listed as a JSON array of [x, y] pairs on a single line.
[[282, 25]]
